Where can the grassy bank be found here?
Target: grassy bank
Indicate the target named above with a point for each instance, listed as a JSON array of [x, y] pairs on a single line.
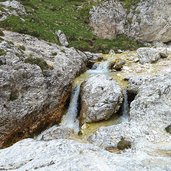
[[71, 16]]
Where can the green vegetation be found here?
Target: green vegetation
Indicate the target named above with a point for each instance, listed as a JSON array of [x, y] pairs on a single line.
[[71, 16], [54, 53], [1, 33], [123, 144], [22, 48], [14, 95], [168, 129], [129, 3], [37, 61], [2, 52]]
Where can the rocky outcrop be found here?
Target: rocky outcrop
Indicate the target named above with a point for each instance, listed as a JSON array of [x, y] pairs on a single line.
[[108, 19], [67, 155], [147, 21], [55, 132], [150, 21], [35, 83], [151, 55], [9, 8], [101, 97], [149, 116]]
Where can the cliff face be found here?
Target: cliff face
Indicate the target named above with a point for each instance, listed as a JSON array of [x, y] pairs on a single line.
[[35, 83], [148, 20]]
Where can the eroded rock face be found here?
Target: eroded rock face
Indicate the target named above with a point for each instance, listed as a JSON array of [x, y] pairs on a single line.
[[150, 114], [151, 55], [55, 132], [108, 19], [148, 21], [101, 97], [11, 8], [67, 155], [32, 96]]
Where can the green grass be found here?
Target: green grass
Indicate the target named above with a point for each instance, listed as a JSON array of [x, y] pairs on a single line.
[[129, 3], [71, 16], [1, 33], [2, 52]]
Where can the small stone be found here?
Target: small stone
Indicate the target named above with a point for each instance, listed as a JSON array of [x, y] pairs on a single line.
[[62, 38], [117, 64]]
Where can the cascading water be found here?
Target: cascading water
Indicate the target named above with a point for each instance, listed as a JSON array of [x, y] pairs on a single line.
[[125, 107], [70, 119], [102, 67]]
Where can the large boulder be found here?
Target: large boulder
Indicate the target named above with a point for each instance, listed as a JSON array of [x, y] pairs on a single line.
[[150, 114], [101, 97], [147, 21], [35, 82], [151, 55], [108, 19]]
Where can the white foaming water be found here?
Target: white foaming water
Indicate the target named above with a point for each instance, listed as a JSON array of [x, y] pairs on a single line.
[[125, 108], [102, 67], [70, 119]]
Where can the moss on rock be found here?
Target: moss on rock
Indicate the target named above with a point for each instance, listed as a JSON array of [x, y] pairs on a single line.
[[37, 61], [123, 144], [168, 129], [2, 52]]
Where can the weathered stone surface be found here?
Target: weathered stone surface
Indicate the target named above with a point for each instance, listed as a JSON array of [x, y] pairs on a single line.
[[67, 155], [108, 19], [151, 55], [101, 97], [93, 58], [150, 114], [31, 97], [11, 8], [55, 132], [148, 21], [117, 64], [62, 38]]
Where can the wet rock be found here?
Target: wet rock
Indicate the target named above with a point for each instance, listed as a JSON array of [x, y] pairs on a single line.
[[117, 64], [93, 58], [101, 97], [134, 83], [151, 55], [62, 38], [149, 116], [31, 96], [55, 132]]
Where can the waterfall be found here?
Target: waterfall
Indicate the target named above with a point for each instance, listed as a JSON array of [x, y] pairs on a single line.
[[70, 120], [102, 67], [125, 107]]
